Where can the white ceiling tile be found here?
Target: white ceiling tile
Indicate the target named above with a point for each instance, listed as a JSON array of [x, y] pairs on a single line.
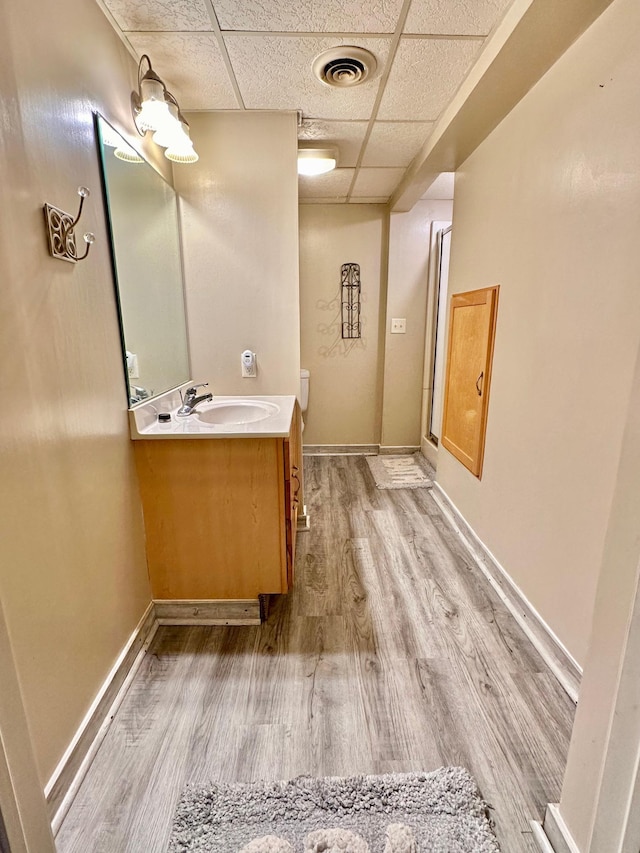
[[442, 187], [333, 185], [149, 15], [347, 136], [453, 17], [376, 183], [202, 83], [309, 16], [424, 77], [395, 143], [274, 73]]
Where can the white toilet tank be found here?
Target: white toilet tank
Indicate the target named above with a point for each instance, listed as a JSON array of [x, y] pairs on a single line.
[[304, 389]]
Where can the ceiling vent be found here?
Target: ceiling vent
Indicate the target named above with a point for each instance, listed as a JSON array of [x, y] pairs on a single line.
[[344, 66]]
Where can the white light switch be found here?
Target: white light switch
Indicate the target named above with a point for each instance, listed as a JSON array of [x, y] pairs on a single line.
[[398, 326]]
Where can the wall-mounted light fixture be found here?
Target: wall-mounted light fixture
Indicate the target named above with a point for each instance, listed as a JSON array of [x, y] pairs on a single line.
[[156, 110], [316, 161], [61, 234]]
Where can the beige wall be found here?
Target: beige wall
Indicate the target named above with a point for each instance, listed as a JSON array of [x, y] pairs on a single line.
[[239, 209], [368, 391], [345, 398], [604, 755], [547, 207], [73, 579], [409, 249]]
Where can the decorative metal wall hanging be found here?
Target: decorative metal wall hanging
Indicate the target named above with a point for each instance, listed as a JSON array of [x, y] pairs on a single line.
[[350, 281], [61, 234]]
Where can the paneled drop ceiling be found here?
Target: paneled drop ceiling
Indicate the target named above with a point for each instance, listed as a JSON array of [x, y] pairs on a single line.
[[257, 55]]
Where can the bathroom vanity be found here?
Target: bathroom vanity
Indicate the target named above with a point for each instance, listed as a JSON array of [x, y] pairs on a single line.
[[220, 499]]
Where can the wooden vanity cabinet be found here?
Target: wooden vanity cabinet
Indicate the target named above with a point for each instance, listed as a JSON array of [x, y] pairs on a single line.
[[220, 514]]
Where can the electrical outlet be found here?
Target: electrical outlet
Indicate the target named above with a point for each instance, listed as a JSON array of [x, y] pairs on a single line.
[[248, 364], [132, 366], [398, 326]]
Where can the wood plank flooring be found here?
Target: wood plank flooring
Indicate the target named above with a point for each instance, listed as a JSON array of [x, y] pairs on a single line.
[[392, 654]]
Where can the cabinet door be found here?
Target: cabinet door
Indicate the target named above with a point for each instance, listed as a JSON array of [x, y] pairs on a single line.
[[472, 321], [293, 489]]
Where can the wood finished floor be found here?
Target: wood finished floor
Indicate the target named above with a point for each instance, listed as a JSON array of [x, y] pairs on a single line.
[[392, 654]]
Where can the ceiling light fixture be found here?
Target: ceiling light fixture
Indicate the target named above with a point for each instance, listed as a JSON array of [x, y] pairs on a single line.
[[155, 109], [316, 161]]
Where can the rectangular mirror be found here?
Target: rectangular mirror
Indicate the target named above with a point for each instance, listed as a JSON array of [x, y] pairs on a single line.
[[147, 261]]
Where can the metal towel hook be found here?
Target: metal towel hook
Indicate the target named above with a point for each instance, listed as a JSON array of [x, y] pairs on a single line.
[[61, 231]]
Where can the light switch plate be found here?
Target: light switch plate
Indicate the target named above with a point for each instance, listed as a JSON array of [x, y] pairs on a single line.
[[398, 326]]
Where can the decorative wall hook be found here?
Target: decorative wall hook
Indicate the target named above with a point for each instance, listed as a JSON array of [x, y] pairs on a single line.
[[61, 234], [350, 281]]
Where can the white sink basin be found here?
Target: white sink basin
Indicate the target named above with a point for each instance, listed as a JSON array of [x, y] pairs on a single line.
[[236, 412]]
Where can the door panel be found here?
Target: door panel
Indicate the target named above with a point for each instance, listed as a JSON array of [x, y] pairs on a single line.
[[470, 351]]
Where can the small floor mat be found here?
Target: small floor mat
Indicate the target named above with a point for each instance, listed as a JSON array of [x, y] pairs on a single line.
[[401, 472], [437, 812]]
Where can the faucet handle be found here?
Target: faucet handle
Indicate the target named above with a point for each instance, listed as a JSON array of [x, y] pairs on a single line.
[[191, 391]]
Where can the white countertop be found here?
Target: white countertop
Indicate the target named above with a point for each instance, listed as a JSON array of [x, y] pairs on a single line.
[[144, 424]]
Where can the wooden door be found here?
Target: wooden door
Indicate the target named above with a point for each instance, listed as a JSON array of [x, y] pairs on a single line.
[[293, 489], [472, 320]]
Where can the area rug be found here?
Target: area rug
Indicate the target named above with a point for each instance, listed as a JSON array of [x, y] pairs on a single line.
[[401, 472], [438, 812]]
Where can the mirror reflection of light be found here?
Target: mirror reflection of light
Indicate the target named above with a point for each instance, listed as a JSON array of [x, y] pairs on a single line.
[[127, 153], [113, 140]]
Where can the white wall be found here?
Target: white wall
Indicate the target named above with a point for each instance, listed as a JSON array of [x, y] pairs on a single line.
[[548, 207], [239, 211]]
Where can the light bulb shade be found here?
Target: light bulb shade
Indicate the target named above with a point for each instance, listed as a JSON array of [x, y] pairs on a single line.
[[152, 115], [316, 161], [171, 128], [181, 149], [153, 110]]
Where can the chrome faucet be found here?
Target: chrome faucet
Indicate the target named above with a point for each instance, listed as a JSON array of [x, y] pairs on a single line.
[[190, 400]]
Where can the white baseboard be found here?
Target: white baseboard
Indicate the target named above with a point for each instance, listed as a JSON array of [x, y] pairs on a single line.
[[71, 770], [400, 450], [429, 451], [335, 449], [213, 612], [556, 832], [556, 656], [539, 836]]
